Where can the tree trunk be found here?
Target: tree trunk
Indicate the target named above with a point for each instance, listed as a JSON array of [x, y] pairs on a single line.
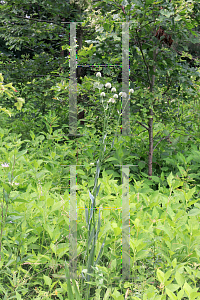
[[150, 123], [80, 70], [150, 160], [62, 51]]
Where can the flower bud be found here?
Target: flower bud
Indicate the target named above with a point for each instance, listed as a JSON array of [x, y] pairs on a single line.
[[98, 74], [108, 85]]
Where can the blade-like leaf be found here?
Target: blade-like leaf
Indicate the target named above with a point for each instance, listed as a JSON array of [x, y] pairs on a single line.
[[102, 246], [76, 290], [91, 198], [98, 228], [90, 260], [98, 189], [91, 213], [69, 288], [91, 237], [97, 174], [86, 214]]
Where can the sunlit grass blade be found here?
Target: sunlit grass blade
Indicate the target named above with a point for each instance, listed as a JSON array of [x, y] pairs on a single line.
[[107, 294], [78, 297], [69, 288], [69, 285]]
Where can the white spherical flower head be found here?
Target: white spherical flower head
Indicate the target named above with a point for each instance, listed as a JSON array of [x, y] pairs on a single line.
[[115, 96], [123, 94], [98, 74], [113, 89], [111, 100], [102, 94], [108, 85], [131, 91]]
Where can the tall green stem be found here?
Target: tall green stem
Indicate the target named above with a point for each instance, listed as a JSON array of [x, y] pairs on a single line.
[[92, 233]]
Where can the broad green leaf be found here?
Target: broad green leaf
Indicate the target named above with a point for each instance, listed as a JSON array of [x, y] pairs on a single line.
[[170, 294], [47, 280], [194, 212], [179, 278], [56, 206], [160, 275]]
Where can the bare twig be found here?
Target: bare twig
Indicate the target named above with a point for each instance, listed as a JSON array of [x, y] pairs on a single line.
[[38, 20], [143, 125], [164, 138]]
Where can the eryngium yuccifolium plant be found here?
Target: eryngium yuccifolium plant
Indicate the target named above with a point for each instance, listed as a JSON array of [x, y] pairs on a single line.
[[108, 102]]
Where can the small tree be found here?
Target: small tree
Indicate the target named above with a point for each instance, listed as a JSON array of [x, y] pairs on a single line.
[[157, 70]]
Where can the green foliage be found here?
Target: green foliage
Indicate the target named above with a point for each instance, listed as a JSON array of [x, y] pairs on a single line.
[[164, 233], [36, 152], [9, 93]]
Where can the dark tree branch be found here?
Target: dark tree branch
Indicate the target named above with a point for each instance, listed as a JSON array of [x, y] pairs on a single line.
[[164, 138], [39, 20], [143, 125], [147, 67]]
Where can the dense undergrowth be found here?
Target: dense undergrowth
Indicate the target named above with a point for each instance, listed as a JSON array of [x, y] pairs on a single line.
[[35, 206]]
